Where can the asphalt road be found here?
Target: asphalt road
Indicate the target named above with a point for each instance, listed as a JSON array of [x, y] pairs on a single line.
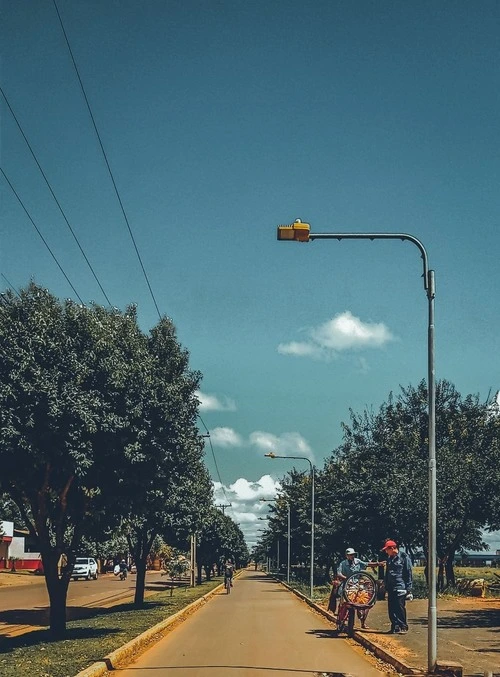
[[259, 630], [25, 607]]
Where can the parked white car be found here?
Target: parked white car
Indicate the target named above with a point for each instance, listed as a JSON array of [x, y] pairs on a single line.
[[85, 567]]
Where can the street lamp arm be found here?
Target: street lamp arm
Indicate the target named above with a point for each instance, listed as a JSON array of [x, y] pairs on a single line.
[[296, 458], [381, 236]]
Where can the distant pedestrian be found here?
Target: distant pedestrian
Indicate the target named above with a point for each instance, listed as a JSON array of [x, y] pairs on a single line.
[[398, 581]]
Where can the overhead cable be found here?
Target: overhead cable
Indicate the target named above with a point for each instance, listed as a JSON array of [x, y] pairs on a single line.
[[54, 196], [106, 160], [11, 286], [215, 460], [41, 236]]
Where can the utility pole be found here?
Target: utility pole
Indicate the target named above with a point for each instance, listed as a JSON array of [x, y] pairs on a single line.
[[193, 560], [223, 505]]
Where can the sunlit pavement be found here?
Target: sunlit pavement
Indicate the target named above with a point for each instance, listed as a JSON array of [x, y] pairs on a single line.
[[259, 629]]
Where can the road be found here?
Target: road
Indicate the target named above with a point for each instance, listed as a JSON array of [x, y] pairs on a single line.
[[25, 607], [259, 630]]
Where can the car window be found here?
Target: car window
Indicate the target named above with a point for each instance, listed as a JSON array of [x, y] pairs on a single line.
[[81, 560]]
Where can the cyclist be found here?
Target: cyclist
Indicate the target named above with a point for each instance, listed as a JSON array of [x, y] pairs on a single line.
[[228, 572], [351, 565]]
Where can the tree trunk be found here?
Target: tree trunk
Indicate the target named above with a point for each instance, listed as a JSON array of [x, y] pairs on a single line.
[[140, 581], [450, 570], [208, 571], [198, 573], [440, 578], [57, 589]]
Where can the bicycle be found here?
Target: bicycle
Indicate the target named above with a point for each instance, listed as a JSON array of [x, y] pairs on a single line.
[[228, 583], [359, 593]]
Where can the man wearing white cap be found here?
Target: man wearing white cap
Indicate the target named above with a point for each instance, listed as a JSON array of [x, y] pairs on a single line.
[[351, 565]]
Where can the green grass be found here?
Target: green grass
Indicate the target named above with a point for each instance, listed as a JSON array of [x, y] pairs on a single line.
[[90, 639]]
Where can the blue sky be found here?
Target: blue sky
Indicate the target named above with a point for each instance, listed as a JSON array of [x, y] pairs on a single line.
[[221, 120]]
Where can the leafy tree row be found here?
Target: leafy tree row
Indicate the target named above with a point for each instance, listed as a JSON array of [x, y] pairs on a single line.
[[375, 484], [98, 430]]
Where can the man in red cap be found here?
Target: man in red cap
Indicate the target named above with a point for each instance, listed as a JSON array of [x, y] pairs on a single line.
[[398, 584]]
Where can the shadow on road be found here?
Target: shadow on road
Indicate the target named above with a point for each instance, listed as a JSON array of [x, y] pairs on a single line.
[[39, 617], [45, 637], [231, 668], [323, 633], [463, 619]]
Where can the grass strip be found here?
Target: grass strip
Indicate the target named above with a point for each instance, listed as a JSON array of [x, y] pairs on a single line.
[[90, 639]]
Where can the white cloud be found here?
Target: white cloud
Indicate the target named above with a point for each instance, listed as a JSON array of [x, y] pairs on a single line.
[[246, 491], [286, 444], [225, 437], [209, 402], [343, 332], [302, 349], [246, 506]]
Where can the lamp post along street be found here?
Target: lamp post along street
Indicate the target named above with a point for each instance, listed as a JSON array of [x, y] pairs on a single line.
[[303, 458], [300, 232], [268, 500], [288, 548]]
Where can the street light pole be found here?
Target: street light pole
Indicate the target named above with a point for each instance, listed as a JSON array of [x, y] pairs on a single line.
[[288, 548], [304, 458], [299, 231], [268, 500]]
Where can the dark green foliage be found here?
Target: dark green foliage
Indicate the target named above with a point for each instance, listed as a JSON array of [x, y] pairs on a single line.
[[375, 485], [219, 538], [97, 430]]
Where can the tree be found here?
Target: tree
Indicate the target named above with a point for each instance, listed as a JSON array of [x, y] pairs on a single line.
[[385, 481], [55, 410], [161, 486], [219, 538]]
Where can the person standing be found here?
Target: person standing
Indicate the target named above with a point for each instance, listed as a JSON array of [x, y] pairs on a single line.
[[351, 565], [398, 581]]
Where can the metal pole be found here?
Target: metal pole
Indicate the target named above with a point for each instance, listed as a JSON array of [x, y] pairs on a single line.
[[429, 286], [278, 555], [312, 529], [192, 582], [432, 610], [288, 548]]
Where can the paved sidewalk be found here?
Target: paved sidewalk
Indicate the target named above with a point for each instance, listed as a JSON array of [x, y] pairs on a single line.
[[468, 633]]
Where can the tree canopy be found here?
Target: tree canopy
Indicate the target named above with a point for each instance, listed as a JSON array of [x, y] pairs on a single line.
[[97, 428], [375, 484]]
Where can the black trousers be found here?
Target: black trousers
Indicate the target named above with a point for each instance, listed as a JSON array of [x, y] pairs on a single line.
[[396, 606]]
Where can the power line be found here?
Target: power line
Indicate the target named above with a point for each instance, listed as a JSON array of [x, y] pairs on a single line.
[[106, 159], [41, 236], [11, 286], [215, 461], [54, 196]]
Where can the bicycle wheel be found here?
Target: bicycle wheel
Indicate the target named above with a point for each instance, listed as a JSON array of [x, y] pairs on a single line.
[[360, 590], [228, 586]]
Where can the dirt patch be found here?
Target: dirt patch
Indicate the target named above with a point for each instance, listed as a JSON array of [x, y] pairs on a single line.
[[392, 646], [478, 602], [9, 578]]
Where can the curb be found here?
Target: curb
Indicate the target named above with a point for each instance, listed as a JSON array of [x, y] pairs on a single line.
[[369, 644], [111, 661]]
